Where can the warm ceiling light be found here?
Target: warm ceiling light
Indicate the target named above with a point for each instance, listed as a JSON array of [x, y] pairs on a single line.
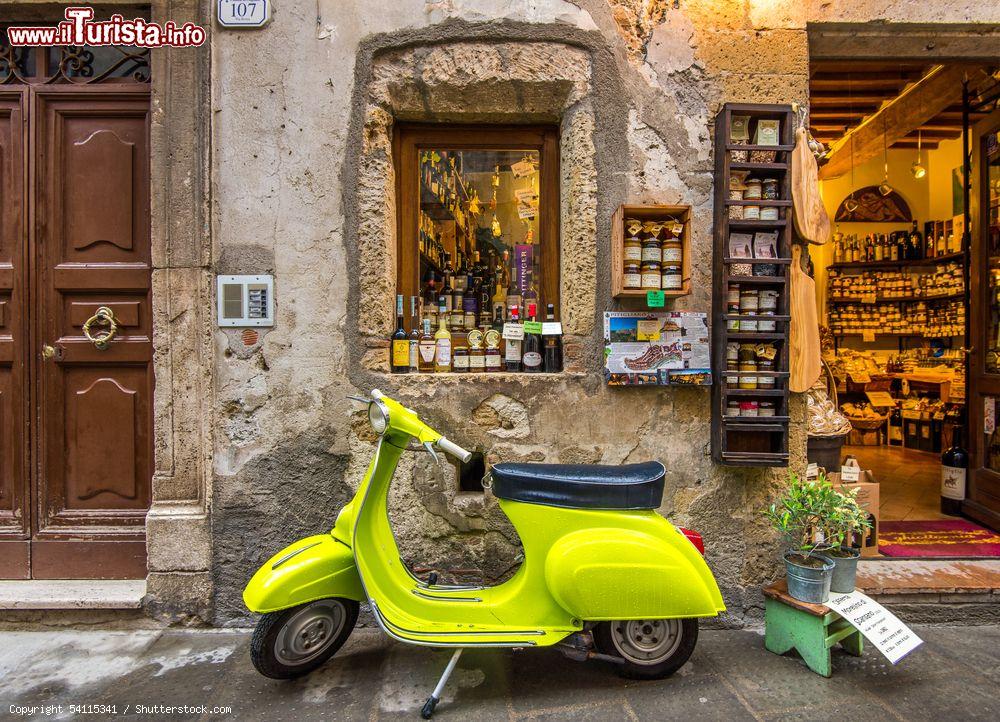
[[917, 169]]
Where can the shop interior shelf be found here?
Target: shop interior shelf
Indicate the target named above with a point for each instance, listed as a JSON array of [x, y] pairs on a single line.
[[901, 299], [875, 265], [738, 146], [775, 261], [859, 334], [758, 166], [749, 225], [762, 420], [753, 392], [756, 279], [772, 427], [730, 202], [752, 336], [755, 317]]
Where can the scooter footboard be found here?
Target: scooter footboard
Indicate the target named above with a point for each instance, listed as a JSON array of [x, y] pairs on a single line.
[[612, 573], [316, 567]]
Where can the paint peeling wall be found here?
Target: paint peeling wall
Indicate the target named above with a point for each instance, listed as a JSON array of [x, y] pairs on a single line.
[[302, 189]]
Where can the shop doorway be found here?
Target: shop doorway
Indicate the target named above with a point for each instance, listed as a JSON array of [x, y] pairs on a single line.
[[76, 376], [897, 294]]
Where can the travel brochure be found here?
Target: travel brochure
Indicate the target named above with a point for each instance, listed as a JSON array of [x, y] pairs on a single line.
[[657, 349]]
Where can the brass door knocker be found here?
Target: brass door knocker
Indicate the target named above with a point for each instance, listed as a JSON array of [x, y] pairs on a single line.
[[104, 317]]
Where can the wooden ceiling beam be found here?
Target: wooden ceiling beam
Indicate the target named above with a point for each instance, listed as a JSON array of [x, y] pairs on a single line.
[[845, 100], [921, 101]]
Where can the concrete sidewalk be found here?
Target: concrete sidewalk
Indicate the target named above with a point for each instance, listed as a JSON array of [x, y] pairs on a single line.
[[954, 675]]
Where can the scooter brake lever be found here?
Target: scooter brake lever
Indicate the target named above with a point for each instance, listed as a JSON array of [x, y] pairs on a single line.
[[362, 399], [430, 449]]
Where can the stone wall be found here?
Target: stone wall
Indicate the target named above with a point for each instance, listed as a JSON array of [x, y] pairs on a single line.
[[303, 188]]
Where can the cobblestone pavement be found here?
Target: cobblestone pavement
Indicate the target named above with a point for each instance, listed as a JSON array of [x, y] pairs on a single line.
[[730, 676]]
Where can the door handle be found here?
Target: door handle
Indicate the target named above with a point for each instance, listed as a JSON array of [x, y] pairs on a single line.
[[103, 338]]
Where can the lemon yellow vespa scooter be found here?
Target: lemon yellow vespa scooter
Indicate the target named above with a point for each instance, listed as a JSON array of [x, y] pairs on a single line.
[[604, 576]]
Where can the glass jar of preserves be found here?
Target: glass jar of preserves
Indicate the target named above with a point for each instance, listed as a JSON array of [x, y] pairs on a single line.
[[672, 251], [748, 381], [671, 278], [651, 250], [633, 250], [633, 274], [769, 189], [651, 275], [753, 189]]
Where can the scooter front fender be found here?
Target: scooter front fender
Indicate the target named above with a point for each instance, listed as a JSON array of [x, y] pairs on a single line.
[[316, 567]]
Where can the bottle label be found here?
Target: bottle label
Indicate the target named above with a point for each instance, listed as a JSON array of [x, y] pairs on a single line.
[[461, 362], [443, 352], [477, 363], [532, 359], [673, 254], [414, 354], [493, 361], [427, 352], [633, 253], [651, 253], [400, 353], [952, 483], [513, 350]]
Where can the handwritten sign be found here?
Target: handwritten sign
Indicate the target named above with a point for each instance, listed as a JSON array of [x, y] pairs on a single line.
[[533, 327], [879, 626], [655, 299], [850, 473], [513, 331]]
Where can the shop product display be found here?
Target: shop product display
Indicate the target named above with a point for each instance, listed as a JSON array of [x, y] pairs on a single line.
[[751, 289], [823, 416], [656, 349], [649, 245]]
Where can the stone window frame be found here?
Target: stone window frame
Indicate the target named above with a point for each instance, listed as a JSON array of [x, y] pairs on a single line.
[[523, 74]]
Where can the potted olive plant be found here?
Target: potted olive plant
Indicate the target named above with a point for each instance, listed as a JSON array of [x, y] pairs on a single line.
[[800, 515], [843, 521]]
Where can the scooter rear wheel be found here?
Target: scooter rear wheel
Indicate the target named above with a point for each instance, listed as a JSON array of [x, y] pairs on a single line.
[[649, 648], [295, 641]]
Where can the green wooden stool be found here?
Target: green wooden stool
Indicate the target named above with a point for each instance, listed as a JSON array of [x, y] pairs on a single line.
[[811, 629]]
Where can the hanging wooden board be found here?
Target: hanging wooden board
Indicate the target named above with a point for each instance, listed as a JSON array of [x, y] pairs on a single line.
[[805, 361]]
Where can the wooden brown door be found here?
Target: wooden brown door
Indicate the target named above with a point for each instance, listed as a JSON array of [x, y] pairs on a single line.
[[84, 226], [15, 516], [982, 500]]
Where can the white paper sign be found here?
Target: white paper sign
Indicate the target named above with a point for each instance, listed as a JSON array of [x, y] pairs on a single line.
[[551, 328], [513, 331], [879, 626], [850, 473], [243, 13], [812, 471]]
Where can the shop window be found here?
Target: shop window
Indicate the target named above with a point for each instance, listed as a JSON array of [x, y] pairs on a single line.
[[478, 223]]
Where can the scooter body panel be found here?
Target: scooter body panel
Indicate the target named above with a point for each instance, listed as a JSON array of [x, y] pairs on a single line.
[[316, 567], [640, 568]]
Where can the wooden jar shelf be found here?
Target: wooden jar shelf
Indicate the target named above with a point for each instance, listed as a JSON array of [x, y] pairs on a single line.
[[682, 214]]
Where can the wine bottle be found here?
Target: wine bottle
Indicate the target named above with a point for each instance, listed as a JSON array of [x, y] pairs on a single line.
[[427, 349], [552, 341], [532, 358], [414, 337], [954, 466], [442, 341], [512, 350], [896, 428], [400, 342]]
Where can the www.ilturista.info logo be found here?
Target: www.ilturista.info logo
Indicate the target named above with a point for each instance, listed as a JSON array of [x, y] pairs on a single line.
[[80, 28]]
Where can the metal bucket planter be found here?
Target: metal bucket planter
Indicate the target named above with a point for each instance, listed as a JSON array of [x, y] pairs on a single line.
[[845, 570], [809, 584]]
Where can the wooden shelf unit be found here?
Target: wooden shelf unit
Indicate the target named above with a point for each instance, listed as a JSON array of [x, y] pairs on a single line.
[[742, 440], [648, 213]]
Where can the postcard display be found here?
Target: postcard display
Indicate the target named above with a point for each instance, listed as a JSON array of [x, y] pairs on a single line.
[[750, 320], [669, 348]]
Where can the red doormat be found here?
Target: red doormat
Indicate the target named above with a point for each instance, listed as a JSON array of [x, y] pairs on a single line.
[[944, 538]]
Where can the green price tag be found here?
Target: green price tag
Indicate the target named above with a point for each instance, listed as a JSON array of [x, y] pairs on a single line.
[[533, 327], [654, 299]]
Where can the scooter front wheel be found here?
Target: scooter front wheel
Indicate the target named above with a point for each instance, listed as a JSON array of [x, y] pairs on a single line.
[[295, 641], [649, 648]]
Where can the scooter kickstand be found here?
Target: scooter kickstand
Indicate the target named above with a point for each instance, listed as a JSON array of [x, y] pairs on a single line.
[[428, 711]]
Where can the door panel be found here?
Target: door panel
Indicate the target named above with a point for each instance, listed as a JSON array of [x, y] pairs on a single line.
[[95, 414], [14, 504], [983, 494]]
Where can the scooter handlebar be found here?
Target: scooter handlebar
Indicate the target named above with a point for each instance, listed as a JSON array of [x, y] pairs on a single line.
[[454, 449]]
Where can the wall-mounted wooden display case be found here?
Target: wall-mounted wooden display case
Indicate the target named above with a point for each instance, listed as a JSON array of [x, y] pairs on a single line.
[[670, 227], [750, 305]]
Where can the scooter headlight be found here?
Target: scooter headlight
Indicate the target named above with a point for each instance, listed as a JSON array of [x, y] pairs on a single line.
[[378, 417]]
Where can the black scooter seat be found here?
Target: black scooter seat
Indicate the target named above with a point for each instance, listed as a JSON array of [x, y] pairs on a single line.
[[581, 486]]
